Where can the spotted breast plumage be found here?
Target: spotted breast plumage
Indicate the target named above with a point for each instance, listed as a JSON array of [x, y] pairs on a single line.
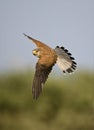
[[47, 59]]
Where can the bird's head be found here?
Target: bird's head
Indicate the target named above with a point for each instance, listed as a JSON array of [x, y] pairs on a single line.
[[36, 52]]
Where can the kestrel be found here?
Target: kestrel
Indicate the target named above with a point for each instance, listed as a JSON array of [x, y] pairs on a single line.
[[47, 59]]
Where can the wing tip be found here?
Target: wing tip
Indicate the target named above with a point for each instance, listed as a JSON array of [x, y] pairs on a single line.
[[29, 37]]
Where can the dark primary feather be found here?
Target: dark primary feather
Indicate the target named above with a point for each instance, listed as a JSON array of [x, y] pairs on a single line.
[[41, 75]]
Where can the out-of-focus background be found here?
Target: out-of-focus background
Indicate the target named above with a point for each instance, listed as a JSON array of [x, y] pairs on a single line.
[[67, 101]]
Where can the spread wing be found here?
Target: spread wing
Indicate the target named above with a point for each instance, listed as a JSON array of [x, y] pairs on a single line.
[[41, 75], [65, 60]]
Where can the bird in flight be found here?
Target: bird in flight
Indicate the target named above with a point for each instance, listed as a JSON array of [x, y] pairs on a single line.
[[47, 59]]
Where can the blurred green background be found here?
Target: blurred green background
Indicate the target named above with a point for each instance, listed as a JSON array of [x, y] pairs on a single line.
[[65, 103]]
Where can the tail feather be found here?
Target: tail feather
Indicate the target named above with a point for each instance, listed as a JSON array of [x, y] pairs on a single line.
[[65, 60]]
